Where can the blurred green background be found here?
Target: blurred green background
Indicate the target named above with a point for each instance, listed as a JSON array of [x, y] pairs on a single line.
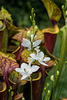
[[21, 10]]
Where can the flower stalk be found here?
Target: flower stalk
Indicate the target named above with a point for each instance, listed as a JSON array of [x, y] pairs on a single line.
[[32, 39], [47, 92], [32, 19]]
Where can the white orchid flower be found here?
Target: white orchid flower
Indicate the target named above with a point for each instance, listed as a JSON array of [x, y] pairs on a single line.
[[27, 43], [40, 57], [26, 69]]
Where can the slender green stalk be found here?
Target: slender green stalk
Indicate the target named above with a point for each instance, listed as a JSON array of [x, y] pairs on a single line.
[[54, 87], [47, 92], [32, 39], [63, 51]]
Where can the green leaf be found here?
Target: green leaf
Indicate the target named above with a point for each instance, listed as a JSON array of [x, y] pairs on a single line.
[[63, 51], [52, 9]]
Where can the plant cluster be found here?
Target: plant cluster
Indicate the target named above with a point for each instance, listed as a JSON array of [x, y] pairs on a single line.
[[26, 56]]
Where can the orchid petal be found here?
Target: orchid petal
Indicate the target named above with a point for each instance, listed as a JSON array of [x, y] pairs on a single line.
[[30, 60], [46, 59], [29, 48], [25, 76], [35, 36], [41, 62], [24, 65], [37, 47], [36, 43], [41, 55], [33, 55], [18, 70], [26, 43], [34, 68]]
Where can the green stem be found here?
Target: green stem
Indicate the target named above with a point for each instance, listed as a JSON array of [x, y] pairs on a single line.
[[54, 87], [31, 86], [33, 23], [63, 51]]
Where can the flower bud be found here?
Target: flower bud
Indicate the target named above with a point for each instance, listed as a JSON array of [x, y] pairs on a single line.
[[63, 7], [12, 93], [45, 89], [31, 18], [55, 64], [52, 78], [29, 34], [48, 92], [23, 98], [10, 87], [32, 10], [36, 28], [47, 85], [57, 73], [34, 15]]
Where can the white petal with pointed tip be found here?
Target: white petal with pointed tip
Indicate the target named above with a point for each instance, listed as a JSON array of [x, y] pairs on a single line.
[[34, 68], [41, 62], [18, 70], [41, 55], [36, 43], [25, 76], [26, 43], [46, 59], [24, 65], [33, 55]]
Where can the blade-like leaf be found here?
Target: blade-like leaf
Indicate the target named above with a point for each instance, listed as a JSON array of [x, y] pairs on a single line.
[[52, 9]]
